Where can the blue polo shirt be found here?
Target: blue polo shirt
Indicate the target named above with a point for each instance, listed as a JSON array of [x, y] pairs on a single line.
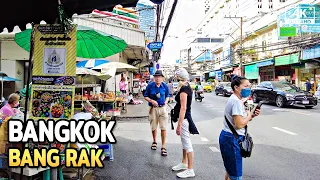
[[152, 90]]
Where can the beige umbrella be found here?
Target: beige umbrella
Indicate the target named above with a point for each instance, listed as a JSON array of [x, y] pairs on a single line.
[[107, 74], [85, 72], [120, 67]]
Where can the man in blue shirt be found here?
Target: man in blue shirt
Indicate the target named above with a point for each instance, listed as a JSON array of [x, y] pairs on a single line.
[[157, 94]]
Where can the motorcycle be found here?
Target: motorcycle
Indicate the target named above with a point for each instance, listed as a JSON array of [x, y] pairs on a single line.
[[199, 96]]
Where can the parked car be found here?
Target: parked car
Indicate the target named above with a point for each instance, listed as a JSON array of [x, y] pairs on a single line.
[[283, 93], [175, 87], [224, 88]]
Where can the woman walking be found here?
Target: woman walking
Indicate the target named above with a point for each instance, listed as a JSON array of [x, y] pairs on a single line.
[[186, 125], [123, 85], [239, 117]]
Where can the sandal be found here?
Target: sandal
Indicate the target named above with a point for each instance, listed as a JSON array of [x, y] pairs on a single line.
[[154, 146], [164, 152]]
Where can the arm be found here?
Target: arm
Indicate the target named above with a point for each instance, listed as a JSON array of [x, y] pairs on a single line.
[[167, 95], [241, 122], [183, 109], [237, 113]]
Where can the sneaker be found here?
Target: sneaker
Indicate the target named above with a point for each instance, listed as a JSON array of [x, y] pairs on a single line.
[[180, 167], [186, 174]]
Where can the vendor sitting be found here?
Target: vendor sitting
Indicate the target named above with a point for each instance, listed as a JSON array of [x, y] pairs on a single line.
[[131, 100], [9, 109]]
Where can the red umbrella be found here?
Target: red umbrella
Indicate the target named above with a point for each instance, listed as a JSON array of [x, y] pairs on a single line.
[[21, 12]]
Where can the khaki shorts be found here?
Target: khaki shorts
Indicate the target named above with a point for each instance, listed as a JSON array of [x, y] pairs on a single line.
[[158, 115]]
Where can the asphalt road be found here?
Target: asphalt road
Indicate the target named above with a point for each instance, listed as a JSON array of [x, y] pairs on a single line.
[[286, 146]]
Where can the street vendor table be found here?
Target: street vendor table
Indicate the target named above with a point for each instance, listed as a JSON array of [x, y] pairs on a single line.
[[100, 105]]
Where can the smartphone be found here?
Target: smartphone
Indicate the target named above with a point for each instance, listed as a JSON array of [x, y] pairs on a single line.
[[257, 107]]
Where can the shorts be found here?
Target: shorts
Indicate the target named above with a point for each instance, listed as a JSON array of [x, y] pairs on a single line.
[[231, 155], [158, 116], [185, 136]]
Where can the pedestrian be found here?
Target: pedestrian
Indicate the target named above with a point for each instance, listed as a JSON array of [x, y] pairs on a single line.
[[170, 86], [308, 85], [318, 90], [238, 117], [143, 86], [123, 85], [9, 110], [157, 94], [185, 125]]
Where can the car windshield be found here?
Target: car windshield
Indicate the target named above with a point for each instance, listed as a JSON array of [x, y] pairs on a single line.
[[228, 86], [284, 86]]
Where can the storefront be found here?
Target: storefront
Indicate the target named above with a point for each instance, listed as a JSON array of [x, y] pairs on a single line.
[[266, 70], [227, 73], [311, 60], [251, 72], [283, 67]]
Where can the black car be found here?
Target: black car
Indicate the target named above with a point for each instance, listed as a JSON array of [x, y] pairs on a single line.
[[283, 93], [224, 89]]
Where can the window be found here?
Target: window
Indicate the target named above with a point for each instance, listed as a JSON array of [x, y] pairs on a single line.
[[259, 6], [264, 46]]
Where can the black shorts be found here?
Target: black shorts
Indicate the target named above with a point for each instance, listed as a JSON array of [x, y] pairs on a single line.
[[124, 91]]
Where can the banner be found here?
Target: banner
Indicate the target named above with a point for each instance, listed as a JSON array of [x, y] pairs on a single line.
[[53, 73]]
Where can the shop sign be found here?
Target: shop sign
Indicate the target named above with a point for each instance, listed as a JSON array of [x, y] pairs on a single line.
[[251, 71], [287, 59], [304, 17], [227, 69], [288, 31], [155, 46], [54, 80], [219, 75], [212, 74], [265, 63], [53, 73], [312, 65], [311, 53]]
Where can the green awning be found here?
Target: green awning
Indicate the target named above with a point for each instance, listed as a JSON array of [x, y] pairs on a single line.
[[287, 59], [251, 71]]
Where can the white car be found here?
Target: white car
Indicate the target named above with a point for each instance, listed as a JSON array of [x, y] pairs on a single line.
[[175, 87]]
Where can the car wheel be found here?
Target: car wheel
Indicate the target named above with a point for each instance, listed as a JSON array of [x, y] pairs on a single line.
[[280, 101], [200, 99], [217, 93], [309, 107], [224, 94], [255, 98]]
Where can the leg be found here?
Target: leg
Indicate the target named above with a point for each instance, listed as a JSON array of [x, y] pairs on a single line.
[[163, 138], [184, 156], [153, 126], [190, 156], [154, 135]]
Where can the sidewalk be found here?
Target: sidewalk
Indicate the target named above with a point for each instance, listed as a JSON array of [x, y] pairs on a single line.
[[140, 111]]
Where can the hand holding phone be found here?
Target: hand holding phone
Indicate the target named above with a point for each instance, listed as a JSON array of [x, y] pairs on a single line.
[[257, 107]]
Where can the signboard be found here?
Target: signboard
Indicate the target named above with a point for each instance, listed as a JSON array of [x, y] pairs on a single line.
[[158, 66], [219, 75], [178, 61], [53, 73], [288, 31], [152, 71], [155, 46], [304, 17], [212, 74], [287, 59], [251, 71], [226, 58], [311, 53]]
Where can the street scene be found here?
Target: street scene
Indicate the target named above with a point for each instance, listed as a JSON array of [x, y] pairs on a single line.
[[285, 145], [199, 89]]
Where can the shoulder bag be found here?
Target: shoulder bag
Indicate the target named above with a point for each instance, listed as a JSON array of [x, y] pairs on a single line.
[[246, 145]]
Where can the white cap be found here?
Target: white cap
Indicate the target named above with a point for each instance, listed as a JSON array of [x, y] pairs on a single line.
[[182, 73]]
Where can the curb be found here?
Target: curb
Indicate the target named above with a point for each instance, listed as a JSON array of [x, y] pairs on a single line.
[[133, 117]]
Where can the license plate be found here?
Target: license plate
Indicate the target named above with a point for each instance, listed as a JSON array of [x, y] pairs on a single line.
[[305, 102]]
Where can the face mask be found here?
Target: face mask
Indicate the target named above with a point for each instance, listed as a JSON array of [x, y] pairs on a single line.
[[245, 92]]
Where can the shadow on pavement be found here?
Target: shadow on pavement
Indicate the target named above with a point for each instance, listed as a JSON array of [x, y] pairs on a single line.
[[135, 160]]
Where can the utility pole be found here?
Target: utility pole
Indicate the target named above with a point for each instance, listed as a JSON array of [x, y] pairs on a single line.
[[240, 43], [241, 68]]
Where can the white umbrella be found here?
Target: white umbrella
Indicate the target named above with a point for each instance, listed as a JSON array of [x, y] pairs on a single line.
[[85, 72], [107, 73], [120, 67]]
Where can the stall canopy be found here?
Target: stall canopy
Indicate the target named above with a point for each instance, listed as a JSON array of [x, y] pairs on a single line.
[[21, 12]]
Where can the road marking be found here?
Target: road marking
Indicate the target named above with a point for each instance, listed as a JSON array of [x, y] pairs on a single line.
[[214, 149], [298, 112], [204, 139], [285, 131]]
